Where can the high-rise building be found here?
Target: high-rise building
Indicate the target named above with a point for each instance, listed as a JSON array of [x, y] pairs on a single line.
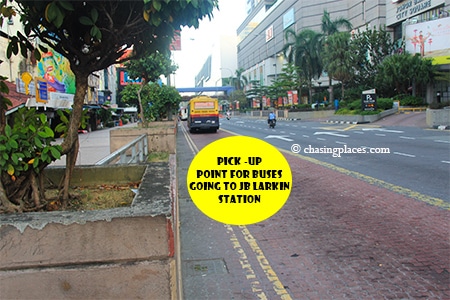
[[261, 36]]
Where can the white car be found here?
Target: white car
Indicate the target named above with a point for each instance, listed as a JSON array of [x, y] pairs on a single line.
[[321, 104]]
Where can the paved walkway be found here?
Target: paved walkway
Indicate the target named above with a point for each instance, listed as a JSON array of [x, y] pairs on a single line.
[[93, 146], [337, 237], [415, 119]]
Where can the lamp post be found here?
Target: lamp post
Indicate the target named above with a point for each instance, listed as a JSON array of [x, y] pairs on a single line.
[[229, 81], [231, 72]]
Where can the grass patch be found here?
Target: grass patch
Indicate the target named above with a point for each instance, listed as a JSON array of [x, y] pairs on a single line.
[[94, 198], [158, 157]]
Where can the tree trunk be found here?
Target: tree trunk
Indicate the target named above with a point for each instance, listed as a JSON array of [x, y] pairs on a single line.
[[70, 143], [169, 112], [8, 207], [141, 108], [309, 92], [330, 87]]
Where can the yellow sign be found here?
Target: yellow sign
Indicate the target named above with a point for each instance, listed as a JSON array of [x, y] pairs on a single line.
[[239, 180]]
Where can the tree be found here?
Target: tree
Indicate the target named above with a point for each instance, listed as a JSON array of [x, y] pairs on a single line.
[[92, 35], [303, 50], [257, 91], [287, 80], [129, 95], [370, 48], [240, 80], [162, 101], [330, 27], [149, 68], [404, 73], [339, 58]]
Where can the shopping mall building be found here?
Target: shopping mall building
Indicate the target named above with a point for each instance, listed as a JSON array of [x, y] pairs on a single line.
[[261, 35]]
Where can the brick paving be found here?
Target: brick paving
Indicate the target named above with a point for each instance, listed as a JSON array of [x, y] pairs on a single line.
[[337, 237], [340, 238]]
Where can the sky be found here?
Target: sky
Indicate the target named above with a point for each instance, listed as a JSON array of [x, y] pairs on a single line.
[[196, 44]]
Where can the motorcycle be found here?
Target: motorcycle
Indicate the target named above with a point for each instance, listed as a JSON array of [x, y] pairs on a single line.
[[272, 123]]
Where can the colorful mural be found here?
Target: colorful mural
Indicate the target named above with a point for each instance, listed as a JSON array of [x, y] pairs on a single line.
[[54, 69]]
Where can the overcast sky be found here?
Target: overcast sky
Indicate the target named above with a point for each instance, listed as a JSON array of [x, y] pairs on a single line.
[[196, 44]]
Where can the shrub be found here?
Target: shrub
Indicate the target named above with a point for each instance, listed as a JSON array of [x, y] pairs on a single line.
[[345, 111], [441, 105], [411, 101], [354, 105], [385, 103]]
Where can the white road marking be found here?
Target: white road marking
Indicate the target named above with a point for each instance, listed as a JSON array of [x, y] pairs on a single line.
[[404, 154]]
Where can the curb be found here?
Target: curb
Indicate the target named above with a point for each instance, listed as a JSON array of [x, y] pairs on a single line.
[[345, 122], [289, 119], [442, 127]]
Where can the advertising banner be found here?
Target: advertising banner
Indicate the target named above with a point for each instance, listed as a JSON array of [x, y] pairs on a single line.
[[430, 39]]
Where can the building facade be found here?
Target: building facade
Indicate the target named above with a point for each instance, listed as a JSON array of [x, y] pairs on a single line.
[[261, 35]]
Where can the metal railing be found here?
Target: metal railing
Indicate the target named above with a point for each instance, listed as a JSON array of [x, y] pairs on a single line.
[[139, 153]]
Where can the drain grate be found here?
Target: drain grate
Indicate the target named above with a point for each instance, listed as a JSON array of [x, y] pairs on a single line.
[[205, 266]]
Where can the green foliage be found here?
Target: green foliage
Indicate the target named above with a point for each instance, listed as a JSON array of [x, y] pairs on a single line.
[[338, 58], [161, 102], [27, 144], [344, 111], [129, 95], [105, 115], [330, 27], [4, 90], [369, 48], [411, 101], [151, 67], [440, 105], [303, 50], [385, 103], [400, 72], [288, 80], [105, 29], [354, 105], [256, 91], [64, 116], [239, 81]]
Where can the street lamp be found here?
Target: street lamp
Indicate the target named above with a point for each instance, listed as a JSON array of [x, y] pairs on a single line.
[[231, 72], [229, 81]]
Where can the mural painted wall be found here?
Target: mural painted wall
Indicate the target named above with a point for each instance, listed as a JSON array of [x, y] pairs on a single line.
[[54, 69]]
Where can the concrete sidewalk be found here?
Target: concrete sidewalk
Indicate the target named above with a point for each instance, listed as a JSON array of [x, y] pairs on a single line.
[[94, 146]]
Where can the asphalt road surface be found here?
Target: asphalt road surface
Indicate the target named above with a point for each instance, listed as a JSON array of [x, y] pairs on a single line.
[[415, 158]]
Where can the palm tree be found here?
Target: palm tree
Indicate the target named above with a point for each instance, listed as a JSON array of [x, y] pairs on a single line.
[[240, 80], [303, 50], [337, 55], [330, 27]]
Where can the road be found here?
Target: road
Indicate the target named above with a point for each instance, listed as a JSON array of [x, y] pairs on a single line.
[[337, 236], [414, 158]]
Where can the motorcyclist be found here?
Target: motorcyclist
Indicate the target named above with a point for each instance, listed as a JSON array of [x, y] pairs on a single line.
[[272, 117]]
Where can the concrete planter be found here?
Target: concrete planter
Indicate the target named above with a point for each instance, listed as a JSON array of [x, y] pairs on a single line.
[[121, 253], [361, 119], [161, 136], [307, 115], [438, 118]]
